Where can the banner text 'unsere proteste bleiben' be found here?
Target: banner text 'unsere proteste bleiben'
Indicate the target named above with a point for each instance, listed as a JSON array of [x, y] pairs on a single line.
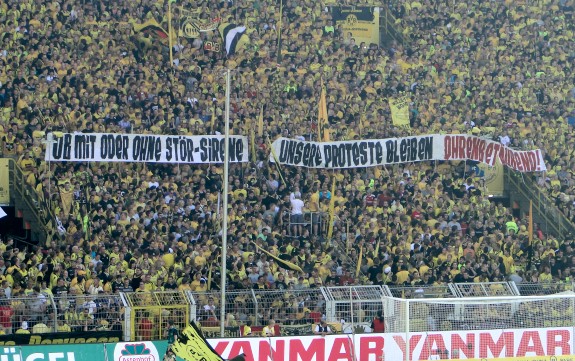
[[376, 152]]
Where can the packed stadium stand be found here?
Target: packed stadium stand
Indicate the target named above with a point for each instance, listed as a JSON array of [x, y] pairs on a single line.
[[496, 69]]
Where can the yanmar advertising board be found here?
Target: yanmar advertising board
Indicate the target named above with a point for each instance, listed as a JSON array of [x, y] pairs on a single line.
[[529, 345]]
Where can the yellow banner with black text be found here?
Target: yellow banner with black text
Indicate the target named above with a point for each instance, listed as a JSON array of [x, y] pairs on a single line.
[[362, 22]]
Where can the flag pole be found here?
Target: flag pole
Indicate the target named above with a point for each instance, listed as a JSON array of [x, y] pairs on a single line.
[[531, 223], [170, 40], [279, 55], [225, 210]]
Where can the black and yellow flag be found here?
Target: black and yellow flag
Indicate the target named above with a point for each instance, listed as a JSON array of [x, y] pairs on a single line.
[[153, 28], [399, 106], [281, 262], [192, 346], [322, 123], [234, 37]]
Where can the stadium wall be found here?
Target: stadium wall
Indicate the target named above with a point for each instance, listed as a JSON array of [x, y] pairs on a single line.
[[549, 344]]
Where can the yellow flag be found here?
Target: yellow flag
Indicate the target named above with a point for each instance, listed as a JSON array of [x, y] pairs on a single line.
[[253, 144], [530, 222], [67, 198], [357, 269], [261, 122], [326, 134], [192, 345], [322, 116], [399, 106], [331, 210], [213, 125], [279, 261]]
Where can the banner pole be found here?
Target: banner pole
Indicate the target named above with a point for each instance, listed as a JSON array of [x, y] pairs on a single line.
[[225, 210], [170, 41], [279, 52]]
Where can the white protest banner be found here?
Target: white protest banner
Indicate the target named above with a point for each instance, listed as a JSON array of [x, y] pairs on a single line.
[[107, 147], [375, 152]]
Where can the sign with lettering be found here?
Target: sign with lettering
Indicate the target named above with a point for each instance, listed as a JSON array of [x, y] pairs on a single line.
[[108, 147], [376, 152], [59, 338]]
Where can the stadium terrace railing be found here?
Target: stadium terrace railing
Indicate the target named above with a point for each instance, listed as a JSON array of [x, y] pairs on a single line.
[[147, 314], [44, 312], [555, 222], [37, 206], [390, 26], [432, 291], [542, 289], [143, 316], [485, 289], [321, 219]]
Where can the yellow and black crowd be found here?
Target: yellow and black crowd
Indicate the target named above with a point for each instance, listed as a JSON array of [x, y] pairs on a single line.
[[496, 69]]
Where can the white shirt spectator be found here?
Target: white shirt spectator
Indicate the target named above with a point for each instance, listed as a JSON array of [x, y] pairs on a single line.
[[505, 140], [296, 203]]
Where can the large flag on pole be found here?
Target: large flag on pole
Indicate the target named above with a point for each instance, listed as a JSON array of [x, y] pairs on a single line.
[[282, 263], [234, 37], [192, 345], [153, 28], [322, 117], [399, 106]]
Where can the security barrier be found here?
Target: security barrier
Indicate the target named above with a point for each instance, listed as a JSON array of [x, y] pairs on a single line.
[[515, 344], [148, 313], [45, 313]]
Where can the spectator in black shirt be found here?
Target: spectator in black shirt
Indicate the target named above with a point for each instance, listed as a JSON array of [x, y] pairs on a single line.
[[60, 289]]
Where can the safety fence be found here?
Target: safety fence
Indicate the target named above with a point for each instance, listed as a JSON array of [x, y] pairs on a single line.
[[346, 309], [45, 313], [145, 316]]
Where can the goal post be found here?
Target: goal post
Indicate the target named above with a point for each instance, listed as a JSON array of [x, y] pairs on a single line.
[[510, 327]]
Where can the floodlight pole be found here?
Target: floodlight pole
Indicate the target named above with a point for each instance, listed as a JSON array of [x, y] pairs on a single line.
[[225, 208]]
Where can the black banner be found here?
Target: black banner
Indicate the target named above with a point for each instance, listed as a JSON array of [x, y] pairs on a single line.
[[61, 338]]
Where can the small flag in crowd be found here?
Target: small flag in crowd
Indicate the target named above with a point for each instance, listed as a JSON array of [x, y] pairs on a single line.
[[234, 37], [322, 121], [2, 213], [153, 28]]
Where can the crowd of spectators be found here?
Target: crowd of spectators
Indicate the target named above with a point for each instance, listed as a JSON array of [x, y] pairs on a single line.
[[498, 69]]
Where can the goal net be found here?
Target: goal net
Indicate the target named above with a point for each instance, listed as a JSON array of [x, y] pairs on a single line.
[[482, 327]]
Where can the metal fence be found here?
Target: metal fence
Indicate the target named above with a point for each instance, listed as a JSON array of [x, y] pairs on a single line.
[[43, 313], [147, 313], [432, 291], [485, 289], [540, 289]]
